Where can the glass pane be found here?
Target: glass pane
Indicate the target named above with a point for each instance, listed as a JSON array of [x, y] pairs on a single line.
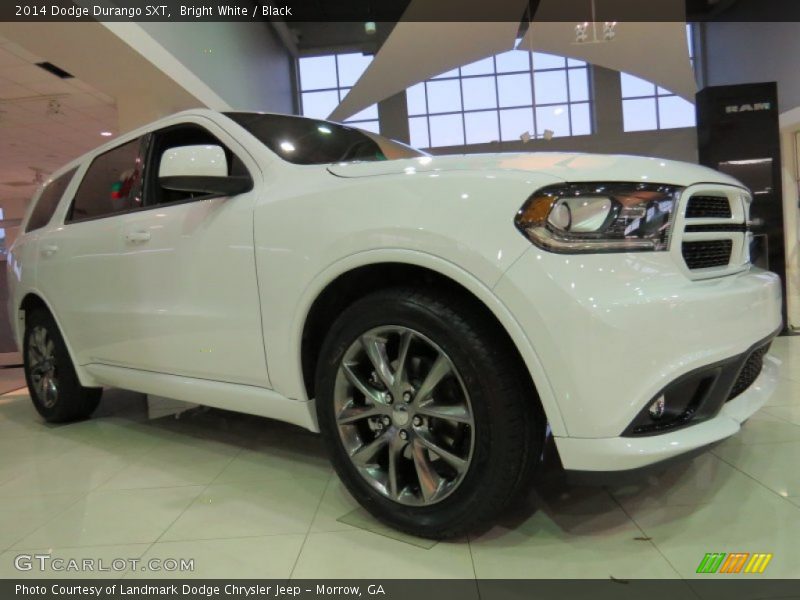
[[351, 67], [444, 96], [514, 90], [317, 72], [451, 73], [373, 126], [554, 118], [110, 184], [581, 119], [663, 91], [484, 66], [675, 112], [639, 115], [634, 86], [309, 142], [578, 85], [690, 39], [481, 127], [548, 61], [550, 87], [418, 130], [415, 98], [513, 60], [479, 92], [48, 201], [571, 62], [447, 130], [318, 105], [513, 123]]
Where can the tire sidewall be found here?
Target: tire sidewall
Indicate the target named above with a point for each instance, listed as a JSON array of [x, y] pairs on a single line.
[[73, 400], [478, 378]]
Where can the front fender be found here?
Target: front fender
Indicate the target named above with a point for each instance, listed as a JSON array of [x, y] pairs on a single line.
[[288, 375]]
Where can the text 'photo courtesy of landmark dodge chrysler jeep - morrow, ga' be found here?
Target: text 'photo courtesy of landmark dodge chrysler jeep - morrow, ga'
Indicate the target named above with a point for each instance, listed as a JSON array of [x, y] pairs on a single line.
[[431, 317]]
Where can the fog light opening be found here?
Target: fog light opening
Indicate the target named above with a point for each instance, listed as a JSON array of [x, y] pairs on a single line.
[[658, 408]]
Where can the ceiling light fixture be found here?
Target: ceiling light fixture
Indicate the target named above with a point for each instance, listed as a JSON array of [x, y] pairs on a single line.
[[580, 33], [53, 108], [370, 27], [106, 133], [583, 36]]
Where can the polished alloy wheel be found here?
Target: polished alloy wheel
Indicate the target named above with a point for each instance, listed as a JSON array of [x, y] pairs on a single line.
[[404, 415], [42, 365]]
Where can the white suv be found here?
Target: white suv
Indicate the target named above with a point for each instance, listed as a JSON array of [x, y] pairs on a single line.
[[429, 316]]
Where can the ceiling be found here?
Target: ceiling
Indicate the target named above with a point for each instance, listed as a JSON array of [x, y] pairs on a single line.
[[45, 121]]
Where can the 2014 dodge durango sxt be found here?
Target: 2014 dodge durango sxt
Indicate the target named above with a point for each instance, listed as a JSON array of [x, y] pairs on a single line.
[[429, 316]]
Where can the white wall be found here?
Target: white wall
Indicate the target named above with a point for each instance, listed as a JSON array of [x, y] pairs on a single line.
[[754, 52], [244, 63]]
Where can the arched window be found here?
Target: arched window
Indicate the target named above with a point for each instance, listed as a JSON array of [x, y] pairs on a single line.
[[501, 98], [325, 81], [646, 106]]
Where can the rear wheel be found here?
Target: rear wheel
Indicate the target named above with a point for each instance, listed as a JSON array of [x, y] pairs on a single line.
[[421, 404], [52, 382]]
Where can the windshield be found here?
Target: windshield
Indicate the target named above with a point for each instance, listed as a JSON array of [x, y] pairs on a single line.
[[305, 141]]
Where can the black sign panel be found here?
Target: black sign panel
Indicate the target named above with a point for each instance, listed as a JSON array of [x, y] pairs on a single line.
[[738, 134]]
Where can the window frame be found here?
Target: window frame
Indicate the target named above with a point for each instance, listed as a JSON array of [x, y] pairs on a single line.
[[150, 174], [145, 153], [658, 92], [339, 88], [457, 75]]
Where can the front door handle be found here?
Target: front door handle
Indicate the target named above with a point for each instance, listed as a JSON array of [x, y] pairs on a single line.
[[137, 237], [49, 250]]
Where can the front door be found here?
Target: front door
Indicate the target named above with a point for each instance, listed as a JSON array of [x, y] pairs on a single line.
[[186, 282]]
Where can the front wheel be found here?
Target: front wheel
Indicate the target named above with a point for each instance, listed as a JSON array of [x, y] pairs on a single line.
[[421, 404], [52, 382]]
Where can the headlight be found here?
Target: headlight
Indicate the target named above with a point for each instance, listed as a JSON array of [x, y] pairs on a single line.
[[599, 217]]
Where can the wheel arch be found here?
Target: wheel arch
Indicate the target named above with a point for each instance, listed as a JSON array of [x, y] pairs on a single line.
[[346, 284], [33, 300]]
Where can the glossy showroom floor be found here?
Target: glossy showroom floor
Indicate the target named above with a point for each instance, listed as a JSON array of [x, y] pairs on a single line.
[[248, 497]]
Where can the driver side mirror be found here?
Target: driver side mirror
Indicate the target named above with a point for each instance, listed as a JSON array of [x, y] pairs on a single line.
[[200, 169]]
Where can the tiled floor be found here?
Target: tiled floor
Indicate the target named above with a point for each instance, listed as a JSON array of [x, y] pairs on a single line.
[[248, 497]]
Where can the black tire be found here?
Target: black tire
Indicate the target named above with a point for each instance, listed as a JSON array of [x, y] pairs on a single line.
[[508, 424], [70, 401]]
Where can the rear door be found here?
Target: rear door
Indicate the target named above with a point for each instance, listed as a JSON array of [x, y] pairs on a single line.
[[78, 262]]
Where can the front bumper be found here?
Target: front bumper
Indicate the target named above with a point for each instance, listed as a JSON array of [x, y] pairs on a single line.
[[623, 453], [611, 331]]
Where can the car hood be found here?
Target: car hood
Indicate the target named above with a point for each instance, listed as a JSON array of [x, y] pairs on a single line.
[[567, 166]]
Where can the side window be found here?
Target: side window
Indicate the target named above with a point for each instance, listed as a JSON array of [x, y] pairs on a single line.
[[48, 201], [176, 137], [111, 185]]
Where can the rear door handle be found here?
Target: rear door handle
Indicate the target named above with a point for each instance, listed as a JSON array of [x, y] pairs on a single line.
[[49, 250], [137, 237]]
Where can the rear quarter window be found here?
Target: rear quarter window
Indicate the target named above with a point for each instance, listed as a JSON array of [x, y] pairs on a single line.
[[48, 201]]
